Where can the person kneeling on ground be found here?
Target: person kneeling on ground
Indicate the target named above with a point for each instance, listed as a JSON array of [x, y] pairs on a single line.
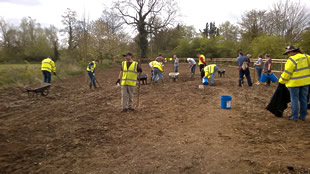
[[296, 78], [91, 73], [128, 76], [209, 71]]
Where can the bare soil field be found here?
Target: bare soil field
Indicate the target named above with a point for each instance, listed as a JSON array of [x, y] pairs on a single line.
[[178, 128]]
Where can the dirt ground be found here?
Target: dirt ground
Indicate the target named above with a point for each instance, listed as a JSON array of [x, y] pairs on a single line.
[[178, 128]]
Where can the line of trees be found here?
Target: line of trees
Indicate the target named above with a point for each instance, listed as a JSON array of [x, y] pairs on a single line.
[[157, 31]]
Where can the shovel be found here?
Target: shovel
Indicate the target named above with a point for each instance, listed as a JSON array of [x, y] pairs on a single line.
[[99, 86]]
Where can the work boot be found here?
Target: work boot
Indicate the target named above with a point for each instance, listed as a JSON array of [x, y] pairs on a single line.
[[90, 85], [95, 86], [124, 110]]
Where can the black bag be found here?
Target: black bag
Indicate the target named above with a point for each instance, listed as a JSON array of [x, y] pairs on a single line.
[[279, 100], [309, 85]]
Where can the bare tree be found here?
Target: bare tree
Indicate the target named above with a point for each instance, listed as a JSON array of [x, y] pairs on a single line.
[[70, 22], [146, 13], [51, 34], [253, 23], [113, 21], [289, 19], [229, 31]]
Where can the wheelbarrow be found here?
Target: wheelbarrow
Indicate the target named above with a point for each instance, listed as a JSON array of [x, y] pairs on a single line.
[[39, 88], [174, 76]]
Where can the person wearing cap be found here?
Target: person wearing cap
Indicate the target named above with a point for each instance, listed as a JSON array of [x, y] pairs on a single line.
[[91, 73], [128, 78], [296, 78], [47, 67], [202, 63], [192, 66], [209, 72]]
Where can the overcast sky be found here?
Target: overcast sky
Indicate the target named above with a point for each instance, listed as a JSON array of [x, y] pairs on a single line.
[[194, 12]]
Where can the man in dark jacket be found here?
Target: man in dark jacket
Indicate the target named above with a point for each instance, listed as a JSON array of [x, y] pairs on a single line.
[[243, 60]]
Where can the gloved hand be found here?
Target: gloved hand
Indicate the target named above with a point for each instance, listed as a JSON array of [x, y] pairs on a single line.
[[93, 74], [54, 73], [118, 81]]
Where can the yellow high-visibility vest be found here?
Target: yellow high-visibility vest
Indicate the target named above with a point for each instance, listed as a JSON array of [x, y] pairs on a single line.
[[297, 71], [159, 65], [209, 70], [91, 66], [204, 59], [152, 64], [170, 59], [48, 65], [129, 77]]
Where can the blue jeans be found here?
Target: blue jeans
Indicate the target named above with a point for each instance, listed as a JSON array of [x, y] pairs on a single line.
[[213, 74], [259, 72], [158, 73], [47, 76], [176, 68], [299, 94], [247, 74], [193, 69], [91, 77]]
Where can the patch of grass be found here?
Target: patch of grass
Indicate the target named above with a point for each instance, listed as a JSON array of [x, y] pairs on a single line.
[[27, 73], [19, 74]]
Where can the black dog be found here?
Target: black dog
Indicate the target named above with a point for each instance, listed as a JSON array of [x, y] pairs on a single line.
[[143, 78], [221, 72]]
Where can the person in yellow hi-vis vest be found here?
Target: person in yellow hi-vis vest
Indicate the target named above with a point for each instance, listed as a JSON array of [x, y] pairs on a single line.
[[48, 67], [91, 73], [158, 72], [296, 78], [151, 64], [128, 79], [201, 63], [209, 71]]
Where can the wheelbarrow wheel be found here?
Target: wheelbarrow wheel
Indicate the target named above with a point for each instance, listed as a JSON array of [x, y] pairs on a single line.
[[45, 92]]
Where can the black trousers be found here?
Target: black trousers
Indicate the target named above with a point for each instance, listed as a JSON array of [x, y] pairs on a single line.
[[47, 76], [202, 73], [247, 75]]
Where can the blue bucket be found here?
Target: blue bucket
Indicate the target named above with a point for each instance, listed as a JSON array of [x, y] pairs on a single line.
[[273, 78], [263, 78], [205, 81], [226, 102]]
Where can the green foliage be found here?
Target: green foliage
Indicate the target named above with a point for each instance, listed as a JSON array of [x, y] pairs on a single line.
[[305, 43], [19, 74], [227, 48], [27, 73], [29, 41], [184, 48], [273, 45]]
